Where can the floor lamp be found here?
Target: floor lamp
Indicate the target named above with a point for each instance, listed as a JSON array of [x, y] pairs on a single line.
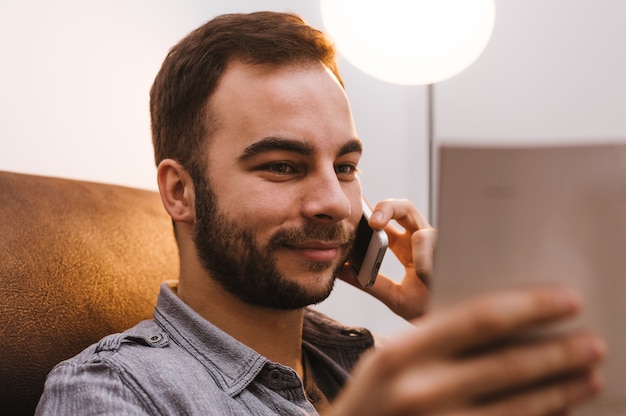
[[411, 42]]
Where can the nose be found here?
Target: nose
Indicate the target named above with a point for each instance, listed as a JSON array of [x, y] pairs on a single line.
[[324, 198]]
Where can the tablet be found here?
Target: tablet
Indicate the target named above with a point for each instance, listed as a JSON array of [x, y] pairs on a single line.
[[522, 216]]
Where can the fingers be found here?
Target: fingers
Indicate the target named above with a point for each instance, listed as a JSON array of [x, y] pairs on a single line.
[[401, 210], [555, 399], [423, 243], [482, 321], [414, 243], [408, 300], [529, 362], [463, 362], [499, 374], [496, 316]]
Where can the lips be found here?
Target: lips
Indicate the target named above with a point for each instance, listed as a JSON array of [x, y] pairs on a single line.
[[317, 251]]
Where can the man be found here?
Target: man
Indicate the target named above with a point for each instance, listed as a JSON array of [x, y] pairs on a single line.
[[257, 160]]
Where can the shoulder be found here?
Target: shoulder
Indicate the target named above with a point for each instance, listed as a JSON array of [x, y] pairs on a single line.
[[94, 383], [326, 330], [136, 343], [133, 373], [338, 343]]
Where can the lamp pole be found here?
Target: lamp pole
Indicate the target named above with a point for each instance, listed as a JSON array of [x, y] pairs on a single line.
[[431, 151]]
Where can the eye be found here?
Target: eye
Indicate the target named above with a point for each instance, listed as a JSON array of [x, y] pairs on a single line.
[[280, 168], [346, 169]]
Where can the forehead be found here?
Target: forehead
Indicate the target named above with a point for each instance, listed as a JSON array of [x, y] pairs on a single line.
[[299, 102]]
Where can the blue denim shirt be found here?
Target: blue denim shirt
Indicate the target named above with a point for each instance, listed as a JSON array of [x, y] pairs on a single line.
[[180, 364]]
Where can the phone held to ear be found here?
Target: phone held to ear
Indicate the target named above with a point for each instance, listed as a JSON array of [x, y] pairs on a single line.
[[368, 250]]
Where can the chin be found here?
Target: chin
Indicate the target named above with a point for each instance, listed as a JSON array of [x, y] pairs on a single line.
[[321, 282]]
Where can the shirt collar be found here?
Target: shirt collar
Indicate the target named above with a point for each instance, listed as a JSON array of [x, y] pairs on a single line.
[[235, 365], [232, 364]]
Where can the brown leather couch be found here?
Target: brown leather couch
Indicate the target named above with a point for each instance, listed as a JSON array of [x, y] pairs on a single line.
[[78, 260]]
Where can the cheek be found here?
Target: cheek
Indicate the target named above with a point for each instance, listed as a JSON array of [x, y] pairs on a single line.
[[260, 211], [240, 197]]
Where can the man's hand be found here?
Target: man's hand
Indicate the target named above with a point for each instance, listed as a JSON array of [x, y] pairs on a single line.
[[462, 361], [413, 245]]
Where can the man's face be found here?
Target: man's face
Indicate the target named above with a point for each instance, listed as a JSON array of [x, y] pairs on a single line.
[[277, 214]]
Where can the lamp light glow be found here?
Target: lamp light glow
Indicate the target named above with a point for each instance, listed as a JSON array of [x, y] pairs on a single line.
[[410, 42]]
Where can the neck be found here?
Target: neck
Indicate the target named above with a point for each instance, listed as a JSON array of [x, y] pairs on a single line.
[[275, 334]]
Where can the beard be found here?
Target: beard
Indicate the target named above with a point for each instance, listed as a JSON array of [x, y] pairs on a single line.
[[232, 258]]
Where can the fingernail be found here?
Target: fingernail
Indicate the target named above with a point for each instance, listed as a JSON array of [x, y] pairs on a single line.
[[595, 348], [567, 301], [377, 216]]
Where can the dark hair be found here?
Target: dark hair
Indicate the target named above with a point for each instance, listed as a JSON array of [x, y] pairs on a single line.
[[180, 114]]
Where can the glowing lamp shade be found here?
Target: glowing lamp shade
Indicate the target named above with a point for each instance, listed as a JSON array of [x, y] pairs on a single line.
[[409, 42]]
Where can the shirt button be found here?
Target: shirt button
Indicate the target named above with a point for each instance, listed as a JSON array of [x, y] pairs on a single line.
[[275, 376]]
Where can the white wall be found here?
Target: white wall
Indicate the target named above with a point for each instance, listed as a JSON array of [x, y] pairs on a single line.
[[554, 71], [75, 76]]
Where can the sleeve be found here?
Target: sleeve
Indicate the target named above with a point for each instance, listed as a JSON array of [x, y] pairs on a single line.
[[91, 388]]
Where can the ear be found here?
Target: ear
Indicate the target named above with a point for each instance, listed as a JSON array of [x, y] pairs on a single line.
[[177, 192]]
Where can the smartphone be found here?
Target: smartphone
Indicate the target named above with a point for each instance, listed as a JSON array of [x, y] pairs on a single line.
[[368, 250]]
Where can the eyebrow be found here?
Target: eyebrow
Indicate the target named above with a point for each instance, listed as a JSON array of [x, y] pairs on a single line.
[[269, 144]]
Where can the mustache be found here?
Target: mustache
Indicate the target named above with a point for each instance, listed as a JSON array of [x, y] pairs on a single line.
[[311, 231]]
